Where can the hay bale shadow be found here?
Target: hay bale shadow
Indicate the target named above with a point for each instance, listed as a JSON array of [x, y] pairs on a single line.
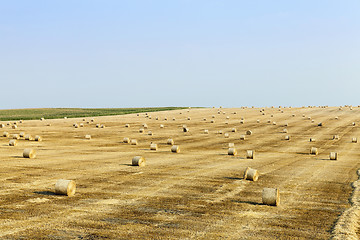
[[248, 202], [48, 193]]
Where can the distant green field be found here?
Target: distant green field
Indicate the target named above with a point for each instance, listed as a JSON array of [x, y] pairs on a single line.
[[51, 113]]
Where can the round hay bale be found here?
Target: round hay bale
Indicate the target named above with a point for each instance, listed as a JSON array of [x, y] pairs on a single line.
[[170, 141], [29, 153], [353, 123], [65, 117], [336, 118], [320, 124], [38, 138], [312, 139], [102, 126], [309, 118], [206, 131], [174, 119], [92, 120], [226, 122], [242, 121], [285, 130], [286, 124], [14, 126], [84, 120], [2, 125], [232, 151], [165, 119], [274, 123], [312, 120], [76, 125], [141, 130], [242, 137], [161, 126], [88, 136], [269, 121], [138, 161], [287, 137], [333, 156], [251, 174], [145, 126], [134, 142], [127, 125], [42, 119], [65, 187], [204, 119], [227, 117], [220, 132], [175, 149], [15, 136], [250, 154], [231, 145], [212, 121], [336, 137], [313, 151], [21, 121], [258, 121], [189, 118], [271, 196], [12, 142], [248, 132], [5, 134], [233, 130], [153, 147], [213, 116], [22, 134], [126, 140], [28, 137], [226, 135], [49, 124], [185, 129], [354, 140], [157, 118]]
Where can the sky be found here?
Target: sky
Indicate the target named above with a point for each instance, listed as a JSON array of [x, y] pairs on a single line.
[[153, 53]]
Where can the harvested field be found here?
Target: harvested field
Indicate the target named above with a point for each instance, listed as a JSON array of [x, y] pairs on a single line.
[[198, 193]]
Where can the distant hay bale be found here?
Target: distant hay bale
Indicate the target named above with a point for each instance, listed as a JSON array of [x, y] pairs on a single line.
[[84, 119], [242, 121], [336, 137], [161, 126], [313, 151], [227, 117], [258, 121], [185, 129], [320, 124], [138, 161], [5, 134], [312, 120], [271, 196], [250, 154], [65, 187], [248, 132], [309, 118], [293, 115], [287, 137], [231, 145], [226, 135], [336, 117], [81, 125], [232, 151], [175, 149], [271, 115], [269, 121], [157, 118], [333, 156], [242, 137], [165, 119], [15, 136], [126, 140], [312, 139], [28, 137], [213, 116], [49, 124], [189, 118], [212, 121], [354, 140], [127, 125], [150, 133], [14, 126], [29, 153], [174, 119], [274, 123], [76, 125], [42, 119], [233, 130], [251, 174], [206, 131], [285, 130], [226, 122], [220, 132], [88, 136], [286, 124], [2, 125], [21, 121], [170, 141], [92, 120], [65, 117], [145, 126], [22, 134], [153, 147], [141, 130], [134, 142], [12, 142], [102, 126]]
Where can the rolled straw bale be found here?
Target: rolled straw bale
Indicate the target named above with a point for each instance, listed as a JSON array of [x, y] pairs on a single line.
[[271, 196], [206, 131], [8, 123], [286, 124], [251, 174], [287, 137], [88, 136], [333, 156], [271, 115], [65, 187], [92, 120], [157, 118], [127, 125], [2, 125], [153, 146], [242, 137], [285, 130], [354, 140], [336, 137], [220, 132], [250, 154], [42, 119], [313, 151], [165, 119], [161, 126], [353, 123], [189, 118], [29, 153], [226, 135], [258, 121], [185, 129], [336, 117], [65, 117], [175, 149], [141, 130], [293, 115], [76, 125], [102, 126], [274, 123], [5, 134], [15, 136], [231, 145], [174, 119], [309, 118], [269, 121], [145, 126], [248, 132], [242, 118], [49, 124], [134, 142], [227, 117], [12, 142], [312, 120], [22, 134], [28, 137], [126, 140], [312, 139], [170, 141], [263, 113], [212, 121], [226, 122], [81, 125], [14, 126], [232, 151], [204, 119], [233, 130], [242, 121], [138, 161], [84, 119], [320, 124]]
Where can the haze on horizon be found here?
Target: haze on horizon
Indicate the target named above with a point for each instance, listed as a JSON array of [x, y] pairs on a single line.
[[134, 53]]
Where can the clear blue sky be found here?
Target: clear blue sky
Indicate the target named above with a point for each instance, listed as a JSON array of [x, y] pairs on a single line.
[[117, 53]]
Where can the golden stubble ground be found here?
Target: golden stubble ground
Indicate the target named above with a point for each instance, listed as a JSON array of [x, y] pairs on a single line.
[[198, 193]]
